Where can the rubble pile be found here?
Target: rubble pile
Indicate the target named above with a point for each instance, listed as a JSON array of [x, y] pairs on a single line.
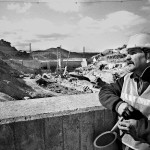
[[104, 69]]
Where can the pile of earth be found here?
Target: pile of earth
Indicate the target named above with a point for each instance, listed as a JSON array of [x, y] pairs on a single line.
[[105, 69], [11, 85]]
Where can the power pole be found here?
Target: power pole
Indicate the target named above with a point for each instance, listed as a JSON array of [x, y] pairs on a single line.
[[83, 52], [58, 59], [30, 47]]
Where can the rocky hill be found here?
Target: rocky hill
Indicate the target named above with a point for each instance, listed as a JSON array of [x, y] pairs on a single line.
[[10, 82], [8, 52]]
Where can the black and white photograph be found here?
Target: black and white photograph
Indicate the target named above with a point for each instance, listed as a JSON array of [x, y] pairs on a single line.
[[74, 74]]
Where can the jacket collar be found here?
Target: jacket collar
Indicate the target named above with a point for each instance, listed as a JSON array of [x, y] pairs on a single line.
[[145, 75]]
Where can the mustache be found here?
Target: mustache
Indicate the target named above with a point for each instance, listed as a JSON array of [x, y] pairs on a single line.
[[129, 62]]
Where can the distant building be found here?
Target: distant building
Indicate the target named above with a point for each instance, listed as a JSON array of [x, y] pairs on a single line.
[[94, 59], [84, 63]]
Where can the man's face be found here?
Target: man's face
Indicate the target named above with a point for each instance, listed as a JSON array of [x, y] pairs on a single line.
[[136, 59]]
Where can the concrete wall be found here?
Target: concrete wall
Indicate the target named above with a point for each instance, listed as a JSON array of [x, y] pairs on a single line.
[[56, 123], [49, 64], [35, 64], [71, 65]]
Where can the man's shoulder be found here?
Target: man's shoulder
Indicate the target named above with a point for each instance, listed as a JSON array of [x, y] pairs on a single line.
[[129, 74]]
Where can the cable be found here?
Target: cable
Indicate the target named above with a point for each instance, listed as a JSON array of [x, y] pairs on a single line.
[[99, 1], [46, 1]]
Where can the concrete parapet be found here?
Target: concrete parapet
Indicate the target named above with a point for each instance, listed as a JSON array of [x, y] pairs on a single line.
[[55, 123]]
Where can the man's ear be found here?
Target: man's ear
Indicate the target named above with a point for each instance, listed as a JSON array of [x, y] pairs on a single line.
[[147, 55], [147, 61]]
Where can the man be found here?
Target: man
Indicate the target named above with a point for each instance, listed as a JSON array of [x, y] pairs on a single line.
[[129, 96]]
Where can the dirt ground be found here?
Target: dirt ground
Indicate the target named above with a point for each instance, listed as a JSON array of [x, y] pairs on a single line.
[[49, 90]]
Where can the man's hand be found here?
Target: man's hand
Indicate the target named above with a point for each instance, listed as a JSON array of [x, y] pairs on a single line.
[[129, 112], [129, 127]]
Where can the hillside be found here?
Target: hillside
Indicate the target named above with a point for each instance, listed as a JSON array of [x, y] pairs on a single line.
[[16, 84], [6, 50], [10, 82], [9, 52], [52, 53]]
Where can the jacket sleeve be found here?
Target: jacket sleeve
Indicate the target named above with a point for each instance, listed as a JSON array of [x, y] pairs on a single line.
[[143, 129], [109, 95]]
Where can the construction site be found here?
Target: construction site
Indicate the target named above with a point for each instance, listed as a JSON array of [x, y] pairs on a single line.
[[51, 104], [36, 76]]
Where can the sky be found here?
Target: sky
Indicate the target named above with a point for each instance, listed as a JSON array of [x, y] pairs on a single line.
[[92, 25]]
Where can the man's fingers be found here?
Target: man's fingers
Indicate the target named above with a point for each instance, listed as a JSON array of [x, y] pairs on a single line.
[[124, 122], [123, 128], [124, 125], [131, 109], [126, 114]]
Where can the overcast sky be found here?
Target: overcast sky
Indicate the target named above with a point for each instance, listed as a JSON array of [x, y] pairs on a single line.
[[91, 24]]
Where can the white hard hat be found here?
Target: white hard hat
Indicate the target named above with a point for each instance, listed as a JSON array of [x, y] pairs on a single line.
[[139, 40]]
